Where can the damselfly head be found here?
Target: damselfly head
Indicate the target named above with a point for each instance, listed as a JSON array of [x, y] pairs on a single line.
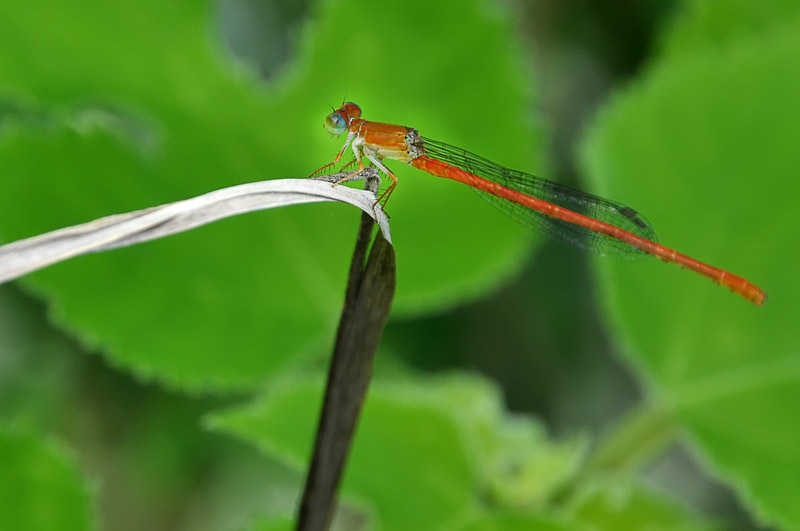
[[340, 119], [350, 111]]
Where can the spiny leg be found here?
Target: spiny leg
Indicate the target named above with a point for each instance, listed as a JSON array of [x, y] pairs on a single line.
[[353, 176], [336, 160], [343, 168], [377, 160], [320, 171], [384, 197], [348, 165]]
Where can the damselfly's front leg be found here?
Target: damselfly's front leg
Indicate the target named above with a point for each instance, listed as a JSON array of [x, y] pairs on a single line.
[[353, 176], [338, 158], [348, 165]]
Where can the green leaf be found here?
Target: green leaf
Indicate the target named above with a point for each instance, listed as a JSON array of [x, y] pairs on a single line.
[[619, 506], [40, 486], [228, 305], [271, 524], [509, 521], [408, 452], [29, 347], [706, 145], [700, 25], [439, 447]]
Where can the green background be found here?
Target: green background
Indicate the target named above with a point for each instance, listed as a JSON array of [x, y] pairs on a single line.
[[520, 384]]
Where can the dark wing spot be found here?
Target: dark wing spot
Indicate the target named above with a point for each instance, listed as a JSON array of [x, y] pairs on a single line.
[[631, 214]]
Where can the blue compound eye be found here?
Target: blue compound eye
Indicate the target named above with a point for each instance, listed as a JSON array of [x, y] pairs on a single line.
[[335, 124]]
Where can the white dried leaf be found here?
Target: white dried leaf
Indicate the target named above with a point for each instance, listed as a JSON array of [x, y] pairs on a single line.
[[25, 256]]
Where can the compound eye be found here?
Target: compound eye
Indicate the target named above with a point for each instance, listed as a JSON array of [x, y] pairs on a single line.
[[335, 124]]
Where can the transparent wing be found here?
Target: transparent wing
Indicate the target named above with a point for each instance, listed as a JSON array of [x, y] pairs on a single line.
[[590, 205]]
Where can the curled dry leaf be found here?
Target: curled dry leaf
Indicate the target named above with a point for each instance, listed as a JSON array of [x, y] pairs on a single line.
[[25, 256]]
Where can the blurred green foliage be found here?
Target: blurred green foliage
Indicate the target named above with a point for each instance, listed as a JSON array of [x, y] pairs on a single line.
[[714, 128], [41, 487], [207, 125], [111, 107]]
